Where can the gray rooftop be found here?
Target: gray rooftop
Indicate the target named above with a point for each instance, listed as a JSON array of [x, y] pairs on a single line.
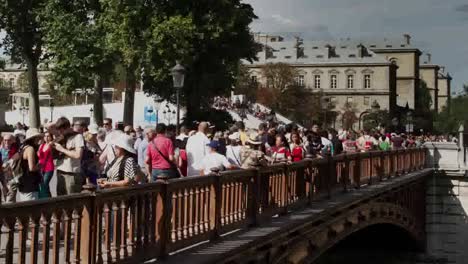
[[316, 52]]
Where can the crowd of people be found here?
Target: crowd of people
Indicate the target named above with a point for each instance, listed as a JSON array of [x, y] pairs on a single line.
[[106, 157]]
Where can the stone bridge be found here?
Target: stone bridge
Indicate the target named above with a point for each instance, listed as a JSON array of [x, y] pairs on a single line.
[[285, 213]]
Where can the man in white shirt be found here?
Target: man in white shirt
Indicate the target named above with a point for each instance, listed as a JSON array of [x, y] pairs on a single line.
[[213, 160], [183, 133], [197, 149]]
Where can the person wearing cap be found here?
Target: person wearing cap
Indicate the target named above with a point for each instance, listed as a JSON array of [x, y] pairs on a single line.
[[124, 170], [69, 174], [233, 149], [251, 154], [46, 161], [28, 184], [213, 160], [197, 149]]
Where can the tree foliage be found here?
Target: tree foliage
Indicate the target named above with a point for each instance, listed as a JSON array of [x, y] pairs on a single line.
[[449, 120], [244, 84], [76, 38], [19, 19], [282, 93], [209, 38]]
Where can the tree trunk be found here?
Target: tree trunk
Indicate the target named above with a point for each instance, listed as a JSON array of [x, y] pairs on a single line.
[[34, 112], [98, 105], [129, 97]]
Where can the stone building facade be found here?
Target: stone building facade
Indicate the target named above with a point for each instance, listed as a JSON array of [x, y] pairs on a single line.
[[12, 75], [387, 71], [444, 81], [344, 74]]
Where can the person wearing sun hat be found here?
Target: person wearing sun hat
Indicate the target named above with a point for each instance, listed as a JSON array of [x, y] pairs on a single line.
[[28, 183], [251, 154], [123, 171]]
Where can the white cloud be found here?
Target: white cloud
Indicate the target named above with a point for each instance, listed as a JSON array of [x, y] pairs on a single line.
[[436, 26], [285, 21]]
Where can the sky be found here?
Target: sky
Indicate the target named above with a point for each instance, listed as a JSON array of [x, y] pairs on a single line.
[[439, 27]]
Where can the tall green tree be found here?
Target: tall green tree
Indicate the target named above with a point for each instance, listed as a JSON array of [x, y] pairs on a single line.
[[244, 83], [449, 120], [24, 43], [219, 39], [77, 40], [128, 24]]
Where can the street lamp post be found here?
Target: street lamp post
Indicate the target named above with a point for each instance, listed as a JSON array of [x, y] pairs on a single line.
[[178, 77], [325, 105], [51, 105], [24, 110], [409, 122], [91, 117]]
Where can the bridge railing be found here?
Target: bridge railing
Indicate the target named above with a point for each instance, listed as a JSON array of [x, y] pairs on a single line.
[[148, 221]]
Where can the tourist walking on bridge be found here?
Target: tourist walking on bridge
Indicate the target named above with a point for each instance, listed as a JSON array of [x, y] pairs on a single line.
[[28, 183], [160, 160], [197, 148], [46, 161], [70, 149], [124, 171]]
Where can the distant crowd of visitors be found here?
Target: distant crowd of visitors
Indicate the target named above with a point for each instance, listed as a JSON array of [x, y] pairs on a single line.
[[107, 157]]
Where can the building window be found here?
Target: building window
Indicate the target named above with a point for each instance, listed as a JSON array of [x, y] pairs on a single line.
[[367, 81], [317, 81], [300, 80], [350, 81], [349, 100], [333, 81], [366, 100], [253, 79]]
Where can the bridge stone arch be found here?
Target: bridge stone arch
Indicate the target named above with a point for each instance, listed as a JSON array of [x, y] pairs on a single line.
[[325, 235]]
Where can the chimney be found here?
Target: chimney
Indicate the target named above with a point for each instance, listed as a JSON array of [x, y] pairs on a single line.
[[429, 57], [362, 51], [331, 51], [407, 39], [442, 69]]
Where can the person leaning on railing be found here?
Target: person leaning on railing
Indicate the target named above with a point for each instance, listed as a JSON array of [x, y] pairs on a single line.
[[124, 170]]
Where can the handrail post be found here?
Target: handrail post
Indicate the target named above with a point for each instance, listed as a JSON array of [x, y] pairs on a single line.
[[163, 211], [216, 201], [88, 226], [253, 197], [332, 175], [357, 171], [370, 168], [345, 173]]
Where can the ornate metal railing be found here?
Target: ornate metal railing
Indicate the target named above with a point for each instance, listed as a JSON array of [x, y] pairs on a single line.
[[147, 221]]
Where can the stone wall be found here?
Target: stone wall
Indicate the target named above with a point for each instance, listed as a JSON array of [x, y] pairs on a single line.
[[446, 217], [447, 203]]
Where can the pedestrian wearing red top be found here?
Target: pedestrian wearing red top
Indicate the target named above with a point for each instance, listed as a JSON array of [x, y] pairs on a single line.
[[47, 165], [281, 152], [297, 150], [160, 156]]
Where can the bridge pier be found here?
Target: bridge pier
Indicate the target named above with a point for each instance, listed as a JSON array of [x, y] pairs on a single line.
[[447, 202], [447, 216]]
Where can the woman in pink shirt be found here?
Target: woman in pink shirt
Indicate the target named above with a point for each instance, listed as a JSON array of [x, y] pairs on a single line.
[[47, 165]]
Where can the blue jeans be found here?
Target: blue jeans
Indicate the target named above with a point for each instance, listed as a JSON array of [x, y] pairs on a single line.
[[163, 174], [44, 190]]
